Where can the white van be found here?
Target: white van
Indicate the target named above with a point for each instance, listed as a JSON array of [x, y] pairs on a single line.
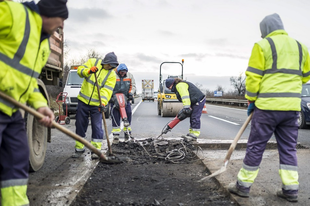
[[72, 88]]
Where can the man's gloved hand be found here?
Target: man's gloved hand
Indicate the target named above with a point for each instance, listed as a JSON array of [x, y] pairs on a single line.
[[103, 108], [183, 113], [188, 111], [130, 96], [251, 107], [93, 69]]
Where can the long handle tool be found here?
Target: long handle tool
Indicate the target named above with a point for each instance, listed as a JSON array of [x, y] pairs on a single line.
[[230, 150], [103, 117], [38, 115]]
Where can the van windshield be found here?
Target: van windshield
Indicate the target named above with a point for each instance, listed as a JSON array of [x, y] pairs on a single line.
[[305, 90], [74, 79]]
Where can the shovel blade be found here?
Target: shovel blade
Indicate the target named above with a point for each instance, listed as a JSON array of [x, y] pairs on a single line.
[[220, 171], [114, 160]]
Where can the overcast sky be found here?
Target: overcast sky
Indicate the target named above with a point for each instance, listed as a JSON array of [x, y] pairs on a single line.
[[214, 37]]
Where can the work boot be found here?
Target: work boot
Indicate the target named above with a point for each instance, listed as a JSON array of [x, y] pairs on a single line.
[[115, 139], [290, 198], [77, 154], [126, 137], [189, 137], [232, 188]]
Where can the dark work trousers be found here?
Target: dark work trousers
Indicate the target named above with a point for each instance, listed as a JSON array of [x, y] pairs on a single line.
[[82, 113], [196, 114], [285, 128], [14, 150], [116, 115]]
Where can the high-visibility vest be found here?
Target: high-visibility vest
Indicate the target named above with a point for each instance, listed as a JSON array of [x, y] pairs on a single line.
[[187, 93], [22, 55], [106, 81], [274, 82]]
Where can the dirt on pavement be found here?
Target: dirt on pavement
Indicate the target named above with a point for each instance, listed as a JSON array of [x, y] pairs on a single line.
[[161, 172]]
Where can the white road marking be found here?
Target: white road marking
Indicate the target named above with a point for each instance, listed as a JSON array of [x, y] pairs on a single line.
[[122, 123], [136, 107], [227, 107], [224, 120]]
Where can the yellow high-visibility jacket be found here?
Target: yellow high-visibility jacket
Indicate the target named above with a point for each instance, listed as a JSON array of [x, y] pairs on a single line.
[[278, 67], [106, 82], [22, 55]]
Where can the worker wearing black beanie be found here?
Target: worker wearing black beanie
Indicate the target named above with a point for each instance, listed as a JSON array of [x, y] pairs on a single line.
[[53, 8]]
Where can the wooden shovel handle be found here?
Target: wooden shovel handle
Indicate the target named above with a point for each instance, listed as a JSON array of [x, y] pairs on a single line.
[[103, 118], [54, 124], [234, 143]]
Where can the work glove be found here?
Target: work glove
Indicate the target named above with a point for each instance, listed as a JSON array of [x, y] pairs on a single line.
[[183, 113], [251, 107], [130, 96], [93, 69], [103, 108]]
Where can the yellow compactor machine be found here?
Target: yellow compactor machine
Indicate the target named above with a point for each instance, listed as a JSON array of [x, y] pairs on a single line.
[[168, 105]]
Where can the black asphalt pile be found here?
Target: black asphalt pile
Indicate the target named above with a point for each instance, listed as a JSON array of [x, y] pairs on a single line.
[[159, 172]]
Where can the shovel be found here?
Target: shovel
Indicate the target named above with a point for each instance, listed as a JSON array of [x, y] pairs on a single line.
[[103, 158], [230, 150], [103, 117]]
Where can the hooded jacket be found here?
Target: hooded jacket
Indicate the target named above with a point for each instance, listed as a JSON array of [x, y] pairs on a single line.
[[277, 68]]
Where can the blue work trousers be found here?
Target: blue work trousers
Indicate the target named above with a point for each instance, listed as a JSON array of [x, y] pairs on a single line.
[[283, 124], [196, 114], [14, 150], [82, 114]]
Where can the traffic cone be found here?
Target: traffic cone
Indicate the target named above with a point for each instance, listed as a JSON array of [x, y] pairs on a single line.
[[204, 110]]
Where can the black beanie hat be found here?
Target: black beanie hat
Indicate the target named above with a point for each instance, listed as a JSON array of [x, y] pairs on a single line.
[[53, 8]]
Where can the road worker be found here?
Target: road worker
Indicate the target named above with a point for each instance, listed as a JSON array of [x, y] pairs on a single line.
[[24, 32], [125, 84], [193, 102], [88, 99], [277, 68]]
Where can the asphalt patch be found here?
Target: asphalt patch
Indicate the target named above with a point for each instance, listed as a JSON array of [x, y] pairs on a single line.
[[162, 172]]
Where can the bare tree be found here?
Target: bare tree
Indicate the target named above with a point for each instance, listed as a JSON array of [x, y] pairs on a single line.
[[209, 93], [81, 60], [239, 84]]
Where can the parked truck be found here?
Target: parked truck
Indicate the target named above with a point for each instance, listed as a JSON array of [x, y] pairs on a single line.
[[148, 89], [38, 135]]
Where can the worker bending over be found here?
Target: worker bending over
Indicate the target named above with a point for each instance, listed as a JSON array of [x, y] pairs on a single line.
[[278, 67], [88, 99], [193, 102], [125, 84]]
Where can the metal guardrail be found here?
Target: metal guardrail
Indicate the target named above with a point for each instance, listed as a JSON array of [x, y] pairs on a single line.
[[235, 102]]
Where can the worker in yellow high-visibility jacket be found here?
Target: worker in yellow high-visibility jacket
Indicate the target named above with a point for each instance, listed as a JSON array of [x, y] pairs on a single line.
[[24, 32], [88, 99], [278, 67]]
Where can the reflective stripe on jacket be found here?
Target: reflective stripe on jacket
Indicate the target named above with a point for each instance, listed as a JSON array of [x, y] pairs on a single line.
[[106, 81], [22, 55], [187, 93], [125, 85], [278, 67]]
